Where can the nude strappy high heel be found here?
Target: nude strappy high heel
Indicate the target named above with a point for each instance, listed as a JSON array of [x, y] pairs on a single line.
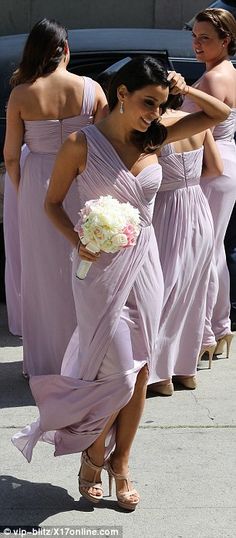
[[207, 349], [226, 339], [123, 497], [85, 485]]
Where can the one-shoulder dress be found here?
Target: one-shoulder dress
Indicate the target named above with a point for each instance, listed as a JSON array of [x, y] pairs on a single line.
[[48, 312], [184, 230], [118, 308]]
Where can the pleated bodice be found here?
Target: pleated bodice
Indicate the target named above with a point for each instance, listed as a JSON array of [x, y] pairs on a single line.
[[106, 172], [225, 130], [181, 170]]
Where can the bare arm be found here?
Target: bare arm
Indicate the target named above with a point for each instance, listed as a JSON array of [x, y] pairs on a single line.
[[70, 161], [14, 139], [101, 104], [212, 112], [212, 162]]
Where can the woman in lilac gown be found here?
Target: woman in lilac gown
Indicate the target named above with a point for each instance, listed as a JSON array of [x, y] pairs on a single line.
[[184, 230], [214, 40], [46, 105], [118, 305]]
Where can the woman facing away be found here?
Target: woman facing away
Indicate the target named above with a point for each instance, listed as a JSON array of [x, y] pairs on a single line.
[[96, 408], [45, 106], [214, 41], [184, 231]]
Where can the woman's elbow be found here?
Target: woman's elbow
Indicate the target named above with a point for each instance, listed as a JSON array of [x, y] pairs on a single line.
[[48, 206], [219, 169], [225, 112], [10, 162]]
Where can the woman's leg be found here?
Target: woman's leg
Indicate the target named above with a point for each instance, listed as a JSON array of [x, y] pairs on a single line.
[[127, 421]]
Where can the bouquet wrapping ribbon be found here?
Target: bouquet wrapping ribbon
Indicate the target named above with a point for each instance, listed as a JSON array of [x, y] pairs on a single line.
[[84, 266]]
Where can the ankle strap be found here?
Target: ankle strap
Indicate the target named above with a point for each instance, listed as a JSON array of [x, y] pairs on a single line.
[[85, 457]]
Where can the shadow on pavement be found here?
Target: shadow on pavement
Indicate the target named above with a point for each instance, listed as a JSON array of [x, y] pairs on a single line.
[[25, 503], [15, 390], [6, 338], [30, 503]]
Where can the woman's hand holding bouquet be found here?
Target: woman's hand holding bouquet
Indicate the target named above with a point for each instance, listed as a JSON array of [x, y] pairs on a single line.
[[105, 225]]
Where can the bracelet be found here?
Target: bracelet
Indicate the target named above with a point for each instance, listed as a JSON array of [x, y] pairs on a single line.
[[78, 246]]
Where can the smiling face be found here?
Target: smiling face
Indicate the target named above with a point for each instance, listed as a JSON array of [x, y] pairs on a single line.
[[207, 44], [142, 106]]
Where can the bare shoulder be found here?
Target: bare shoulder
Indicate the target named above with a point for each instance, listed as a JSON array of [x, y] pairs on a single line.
[[216, 82], [99, 94], [74, 79], [18, 93], [74, 150]]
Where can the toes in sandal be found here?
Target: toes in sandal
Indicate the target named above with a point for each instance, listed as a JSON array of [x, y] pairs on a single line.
[[123, 497], [85, 485]]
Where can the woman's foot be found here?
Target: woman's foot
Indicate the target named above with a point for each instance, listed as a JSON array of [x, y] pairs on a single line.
[[207, 350], [90, 485], [165, 388], [127, 497], [221, 342], [188, 382]]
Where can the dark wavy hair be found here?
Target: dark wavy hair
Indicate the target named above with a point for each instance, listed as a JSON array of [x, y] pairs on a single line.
[[140, 72], [173, 101], [223, 22], [42, 53]]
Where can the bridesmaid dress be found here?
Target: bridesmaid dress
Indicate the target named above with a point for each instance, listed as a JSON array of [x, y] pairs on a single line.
[[184, 230], [12, 251], [118, 308], [221, 194], [48, 312]]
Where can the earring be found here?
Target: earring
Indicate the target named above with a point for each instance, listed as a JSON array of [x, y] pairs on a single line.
[[121, 107]]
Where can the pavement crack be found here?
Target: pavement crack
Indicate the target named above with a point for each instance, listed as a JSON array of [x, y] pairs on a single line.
[[202, 406]]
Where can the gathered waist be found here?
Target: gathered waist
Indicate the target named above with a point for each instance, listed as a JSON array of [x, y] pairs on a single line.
[[43, 153], [177, 185]]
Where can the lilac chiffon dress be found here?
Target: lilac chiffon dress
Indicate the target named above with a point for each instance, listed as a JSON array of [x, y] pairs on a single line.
[[118, 308], [184, 230], [221, 194], [48, 312]]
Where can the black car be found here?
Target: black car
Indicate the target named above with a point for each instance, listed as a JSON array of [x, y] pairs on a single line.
[[94, 50], [229, 5]]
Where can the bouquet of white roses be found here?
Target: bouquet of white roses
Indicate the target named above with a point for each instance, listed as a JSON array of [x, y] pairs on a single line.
[[106, 225]]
